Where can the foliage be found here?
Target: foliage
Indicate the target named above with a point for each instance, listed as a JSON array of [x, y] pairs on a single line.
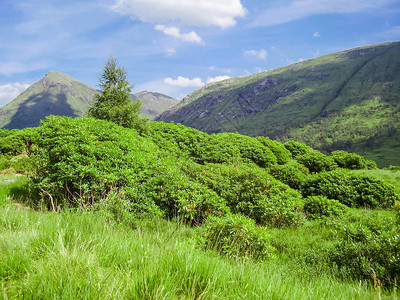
[[238, 237], [80, 162], [369, 248], [114, 103], [351, 189], [318, 206], [316, 161], [250, 148], [293, 174], [297, 148], [216, 148], [352, 160], [14, 142], [281, 153], [252, 192]]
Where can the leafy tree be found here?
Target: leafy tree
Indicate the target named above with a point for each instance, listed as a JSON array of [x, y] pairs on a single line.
[[115, 103]]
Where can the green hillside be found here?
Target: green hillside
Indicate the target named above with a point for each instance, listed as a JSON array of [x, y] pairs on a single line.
[[54, 94], [60, 94], [347, 100]]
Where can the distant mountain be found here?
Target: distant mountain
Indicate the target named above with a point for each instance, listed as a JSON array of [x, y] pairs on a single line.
[[346, 100], [154, 104], [60, 94]]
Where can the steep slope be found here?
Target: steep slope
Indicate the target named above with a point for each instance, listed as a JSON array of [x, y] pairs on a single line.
[[54, 94], [60, 94], [347, 100]]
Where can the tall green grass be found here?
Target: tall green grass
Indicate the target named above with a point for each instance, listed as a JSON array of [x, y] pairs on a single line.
[[83, 255]]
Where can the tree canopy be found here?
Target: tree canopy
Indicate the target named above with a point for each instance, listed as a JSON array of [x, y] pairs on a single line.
[[114, 103]]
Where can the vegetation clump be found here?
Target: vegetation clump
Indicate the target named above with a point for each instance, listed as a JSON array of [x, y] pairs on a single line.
[[238, 237], [320, 206], [352, 160], [352, 190]]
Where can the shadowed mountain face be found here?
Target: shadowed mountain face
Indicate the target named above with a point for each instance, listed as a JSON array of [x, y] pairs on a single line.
[[54, 94], [59, 94], [347, 100]]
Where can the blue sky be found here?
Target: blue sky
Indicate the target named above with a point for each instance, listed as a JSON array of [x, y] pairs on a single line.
[[177, 46]]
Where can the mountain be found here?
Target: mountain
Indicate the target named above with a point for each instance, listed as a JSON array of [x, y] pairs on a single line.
[[54, 94], [347, 100], [60, 94], [154, 104]]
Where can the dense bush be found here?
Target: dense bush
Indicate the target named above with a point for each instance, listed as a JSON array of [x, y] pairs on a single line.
[[252, 192], [368, 249], [14, 142], [316, 161], [215, 148], [293, 174], [238, 237], [250, 148], [318, 206], [297, 148], [81, 161], [281, 153], [352, 160], [351, 189]]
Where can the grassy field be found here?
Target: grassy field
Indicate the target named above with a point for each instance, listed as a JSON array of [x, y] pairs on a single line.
[[84, 255]]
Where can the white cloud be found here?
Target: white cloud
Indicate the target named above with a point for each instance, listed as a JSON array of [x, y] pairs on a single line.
[[9, 91], [316, 34], [221, 13], [176, 32], [290, 10], [184, 82], [261, 54], [217, 78]]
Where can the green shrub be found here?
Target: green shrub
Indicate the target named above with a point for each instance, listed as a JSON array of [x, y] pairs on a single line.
[[215, 148], [351, 189], [82, 161], [316, 161], [352, 160], [281, 153], [14, 142], [297, 148], [238, 237], [252, 192], [318, 206], [368, 249], [250, 148], [293, 174]]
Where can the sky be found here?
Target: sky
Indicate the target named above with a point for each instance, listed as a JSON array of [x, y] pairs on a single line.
[[177, 46]]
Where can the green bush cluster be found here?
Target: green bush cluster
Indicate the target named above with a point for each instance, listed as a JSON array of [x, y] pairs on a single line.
[[314, 160], [80, 162], [352, 160], [368, 249], [293, 174], [282, 155], [14, 142], [252, 192], [215, 148], [319, 206], [351, 189], [238, 237]]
